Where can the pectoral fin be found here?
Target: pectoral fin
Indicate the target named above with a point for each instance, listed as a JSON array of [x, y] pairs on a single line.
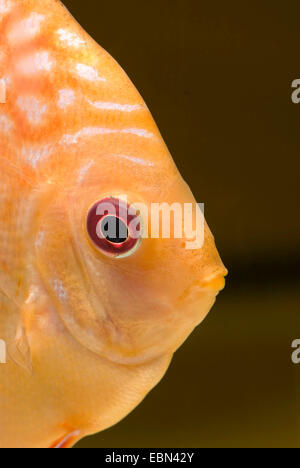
[[19, 350]]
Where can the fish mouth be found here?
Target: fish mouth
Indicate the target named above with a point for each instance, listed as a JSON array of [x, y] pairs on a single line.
[[214, 284], [214, 281], [211, 287]]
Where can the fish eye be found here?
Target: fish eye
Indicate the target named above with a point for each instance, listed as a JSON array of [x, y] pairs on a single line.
[[114, 227]]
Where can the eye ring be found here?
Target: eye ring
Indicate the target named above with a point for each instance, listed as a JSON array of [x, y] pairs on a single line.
[[114, 227]]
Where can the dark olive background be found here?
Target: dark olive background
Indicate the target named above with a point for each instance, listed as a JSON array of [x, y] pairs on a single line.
[[217, 77]]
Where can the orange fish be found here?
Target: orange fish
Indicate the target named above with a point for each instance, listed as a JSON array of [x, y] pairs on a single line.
[[93, 307]]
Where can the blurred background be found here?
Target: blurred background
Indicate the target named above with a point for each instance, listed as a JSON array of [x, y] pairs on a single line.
[[217, 77]]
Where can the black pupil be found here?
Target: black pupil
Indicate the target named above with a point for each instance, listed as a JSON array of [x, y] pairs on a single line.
[[114, 230]]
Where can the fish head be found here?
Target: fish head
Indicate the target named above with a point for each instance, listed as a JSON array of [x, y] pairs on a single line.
[[135, 296]]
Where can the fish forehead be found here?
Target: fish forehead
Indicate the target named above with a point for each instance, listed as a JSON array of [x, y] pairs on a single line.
[[65, 95]]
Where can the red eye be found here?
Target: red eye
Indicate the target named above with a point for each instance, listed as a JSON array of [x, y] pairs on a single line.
[[114, 227]]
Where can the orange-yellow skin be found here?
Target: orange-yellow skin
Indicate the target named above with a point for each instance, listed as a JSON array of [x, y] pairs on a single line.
[[87, 336]]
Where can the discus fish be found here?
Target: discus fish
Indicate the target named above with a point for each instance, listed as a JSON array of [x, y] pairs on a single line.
[[90, 319]]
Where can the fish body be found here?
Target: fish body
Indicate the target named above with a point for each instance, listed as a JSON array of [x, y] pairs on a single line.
[[88, 334]]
